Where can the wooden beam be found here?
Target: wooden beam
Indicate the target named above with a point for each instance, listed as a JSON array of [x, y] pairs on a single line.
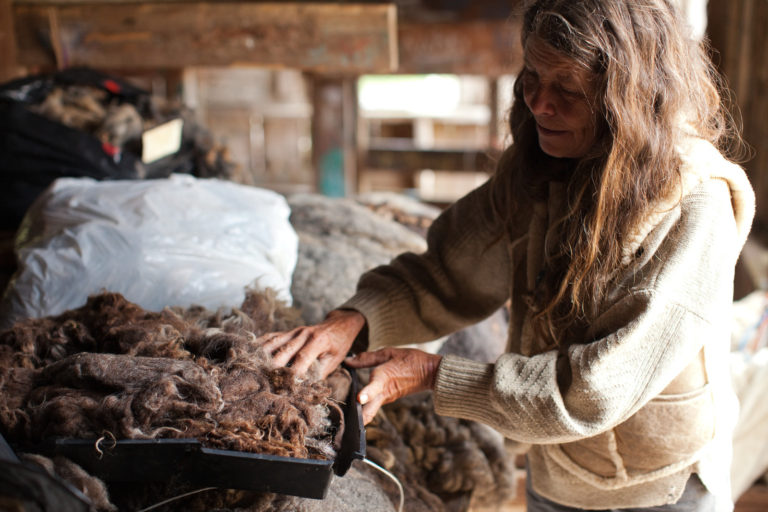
[[490, 47], [436, 159], [341, 38], [8, 68]]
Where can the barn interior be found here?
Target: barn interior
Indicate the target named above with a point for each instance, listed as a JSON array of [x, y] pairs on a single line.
[[175, 173]]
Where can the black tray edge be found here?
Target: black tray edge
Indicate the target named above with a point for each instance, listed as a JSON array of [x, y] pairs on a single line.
[[353, 439]]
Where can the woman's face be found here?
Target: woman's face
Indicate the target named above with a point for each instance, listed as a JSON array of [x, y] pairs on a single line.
[[560, 95]]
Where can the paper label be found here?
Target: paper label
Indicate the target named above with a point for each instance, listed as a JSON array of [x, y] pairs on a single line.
[[162, 140]]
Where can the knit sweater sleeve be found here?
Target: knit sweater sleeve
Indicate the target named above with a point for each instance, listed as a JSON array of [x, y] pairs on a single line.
[[671, 301], [461, 278]]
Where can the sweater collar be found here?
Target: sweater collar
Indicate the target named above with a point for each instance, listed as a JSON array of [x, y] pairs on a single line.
[[701, 161]]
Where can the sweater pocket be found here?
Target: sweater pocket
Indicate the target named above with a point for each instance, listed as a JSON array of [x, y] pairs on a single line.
[[668, 431], [664, 437]]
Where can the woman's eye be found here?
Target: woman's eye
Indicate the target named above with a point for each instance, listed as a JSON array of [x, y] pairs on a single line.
[[530, 79], [572, 93]]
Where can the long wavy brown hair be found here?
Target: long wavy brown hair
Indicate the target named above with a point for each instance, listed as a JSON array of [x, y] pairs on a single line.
[[655, 86]]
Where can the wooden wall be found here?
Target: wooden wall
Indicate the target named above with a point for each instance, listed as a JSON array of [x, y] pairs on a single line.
[[737, 29]]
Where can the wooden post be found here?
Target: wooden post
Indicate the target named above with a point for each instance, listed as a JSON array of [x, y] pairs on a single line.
[[493, 105], [173, 84], [349, 134], [8, 66], [737, 31], [334, 134]]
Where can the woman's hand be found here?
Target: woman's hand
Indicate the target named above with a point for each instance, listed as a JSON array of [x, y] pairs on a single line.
[[327, 342], [398, 372]]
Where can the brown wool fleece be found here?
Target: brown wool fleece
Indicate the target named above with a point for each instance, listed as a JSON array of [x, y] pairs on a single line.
[[111, 366]]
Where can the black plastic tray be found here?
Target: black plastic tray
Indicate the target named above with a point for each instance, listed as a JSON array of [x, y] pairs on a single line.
[[186, 460]]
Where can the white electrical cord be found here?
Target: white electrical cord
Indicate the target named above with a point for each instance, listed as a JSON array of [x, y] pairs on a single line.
[[190, 493], [367, 461], [394, 479]]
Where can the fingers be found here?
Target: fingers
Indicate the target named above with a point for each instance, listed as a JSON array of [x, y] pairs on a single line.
[[372, 398], [326, 343], [370, 409], [380, 389], [283, 347], [309, 355], [327, 363], [368, 359], [397, 372], [295, 345], [372, 391], [274, 340], [303, 347]]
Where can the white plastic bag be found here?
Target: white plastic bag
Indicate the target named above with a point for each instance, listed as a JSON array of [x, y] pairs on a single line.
[[176, 241]]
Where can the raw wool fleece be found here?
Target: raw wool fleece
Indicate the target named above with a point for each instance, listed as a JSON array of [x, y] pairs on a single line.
[[443, 462], [338, 241], [411, 213], [89, 109], [111, 366], [93, 488]]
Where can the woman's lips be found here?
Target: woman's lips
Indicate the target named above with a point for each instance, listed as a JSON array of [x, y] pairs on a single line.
[[547, 131]]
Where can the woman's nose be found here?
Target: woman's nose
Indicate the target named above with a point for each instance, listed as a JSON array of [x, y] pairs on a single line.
[[541, 101]]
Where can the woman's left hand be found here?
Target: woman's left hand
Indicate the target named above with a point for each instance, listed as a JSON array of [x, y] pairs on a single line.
[[398, 372]]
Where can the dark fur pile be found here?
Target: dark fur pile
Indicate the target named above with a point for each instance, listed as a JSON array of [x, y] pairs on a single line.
[[339, 239], [93, 488], [402, 209], [110, 366], [440, 460]]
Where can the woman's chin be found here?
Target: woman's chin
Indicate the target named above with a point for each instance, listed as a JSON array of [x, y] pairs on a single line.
[[558, 151], [554, 152]]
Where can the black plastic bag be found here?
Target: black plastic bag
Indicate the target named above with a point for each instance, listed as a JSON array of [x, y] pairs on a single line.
[[35, 150]]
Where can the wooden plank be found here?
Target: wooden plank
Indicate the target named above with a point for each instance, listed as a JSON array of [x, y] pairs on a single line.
[[490, 47], [348, 38], [8, 68], [436, 159], [77, 2]]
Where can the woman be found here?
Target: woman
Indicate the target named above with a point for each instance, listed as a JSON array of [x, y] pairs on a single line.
[[612, 225]]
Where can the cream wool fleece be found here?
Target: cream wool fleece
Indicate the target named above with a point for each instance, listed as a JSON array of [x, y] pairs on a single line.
[[646, 397]]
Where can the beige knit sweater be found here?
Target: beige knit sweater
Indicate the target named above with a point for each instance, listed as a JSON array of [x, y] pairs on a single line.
[[648, 401]]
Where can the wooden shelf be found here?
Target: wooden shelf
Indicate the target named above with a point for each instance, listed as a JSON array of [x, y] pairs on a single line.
[[412, 159]]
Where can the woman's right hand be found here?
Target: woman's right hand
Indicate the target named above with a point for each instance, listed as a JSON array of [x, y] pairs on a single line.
[[327, 342]]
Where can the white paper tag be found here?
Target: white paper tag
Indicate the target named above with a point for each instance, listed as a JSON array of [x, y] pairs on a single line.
[[162, 140]]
